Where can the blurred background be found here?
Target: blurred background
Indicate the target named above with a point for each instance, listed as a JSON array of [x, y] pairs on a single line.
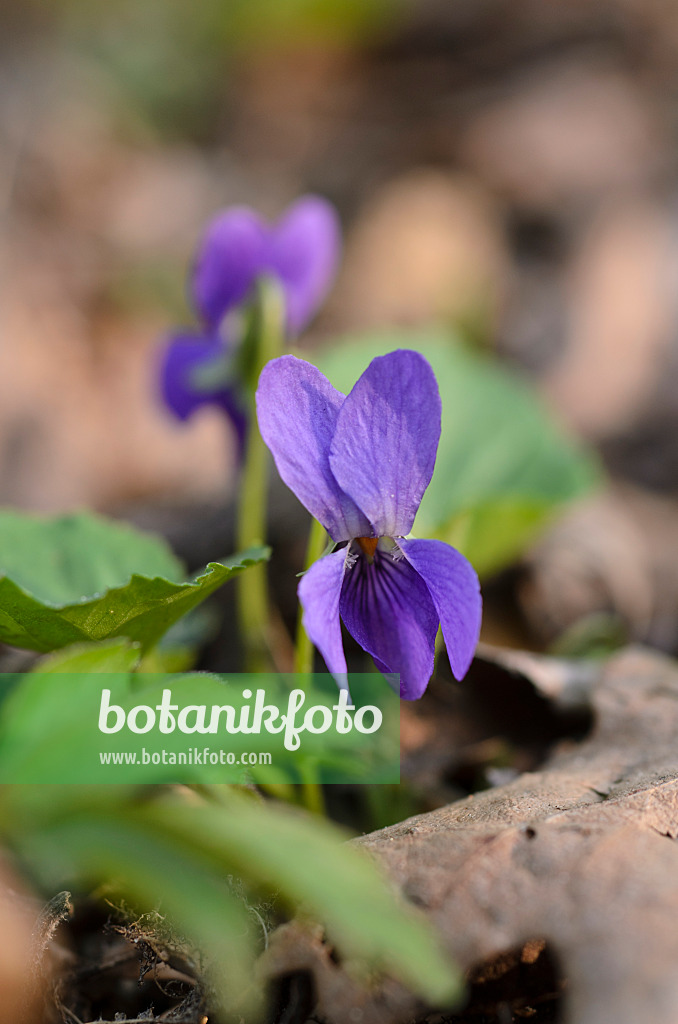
[[505, 170], [508, 169]]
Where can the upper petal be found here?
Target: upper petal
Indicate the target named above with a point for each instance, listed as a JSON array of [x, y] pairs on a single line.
[[454, 588], [386, 606], [384, 446], [297, 409], [319, 592], [304, 251], [231, 255]]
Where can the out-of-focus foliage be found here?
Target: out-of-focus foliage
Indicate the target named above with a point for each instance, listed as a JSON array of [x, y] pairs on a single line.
[[80, 577], [167, 62], [48, 724], [184, 854], [503, 465], [245, 23], [171, 852], [70, 558]]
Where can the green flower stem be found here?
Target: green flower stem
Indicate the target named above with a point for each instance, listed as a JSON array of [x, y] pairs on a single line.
[[261, 637], [312, 796], [253, 603], [311, 792], [303, 653], [265, 341]]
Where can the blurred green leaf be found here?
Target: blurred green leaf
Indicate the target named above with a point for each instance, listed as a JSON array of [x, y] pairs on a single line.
[[65, 558], [94, 838], [597, 635], [298, 22], [80, 577], [503, 467], [49, 725], [118, 655], [41, 715], [121, 52], [301, 859], [181, 853]]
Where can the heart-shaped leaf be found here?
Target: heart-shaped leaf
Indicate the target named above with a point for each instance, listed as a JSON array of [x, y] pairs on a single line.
[[80, 577]]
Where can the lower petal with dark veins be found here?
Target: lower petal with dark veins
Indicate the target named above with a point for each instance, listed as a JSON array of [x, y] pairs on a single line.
[[387, 608]]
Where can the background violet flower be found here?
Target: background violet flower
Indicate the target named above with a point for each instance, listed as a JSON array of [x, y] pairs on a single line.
[[188, 356], [301, 251], [360, 464]]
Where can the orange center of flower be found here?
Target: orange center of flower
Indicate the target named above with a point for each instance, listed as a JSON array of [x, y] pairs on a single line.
[[369, 546]]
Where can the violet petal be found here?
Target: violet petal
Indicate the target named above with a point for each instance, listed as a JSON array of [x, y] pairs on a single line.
[[231, 255], [319, 593], [454, 588], [183, 355], [387, 608], [303, 252], [297, 409], [384, 446], [182, 358]]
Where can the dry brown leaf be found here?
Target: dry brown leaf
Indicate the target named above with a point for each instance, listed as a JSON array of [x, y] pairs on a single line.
[[616, 553], [19, 993], [565, 130], [580, 855], [620, 292]]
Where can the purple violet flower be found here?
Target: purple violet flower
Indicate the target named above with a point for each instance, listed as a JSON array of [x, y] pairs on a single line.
[[187, 356], [301, 251], [360, 464]]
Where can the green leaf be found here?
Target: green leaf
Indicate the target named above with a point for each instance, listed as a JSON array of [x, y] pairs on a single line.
[[301, 858], [49, 726], [503, 467], [493, 534], [38, 714], [96, 839], [179, 852], [67, 558], [118, 655], [35, 710], [78, 578]]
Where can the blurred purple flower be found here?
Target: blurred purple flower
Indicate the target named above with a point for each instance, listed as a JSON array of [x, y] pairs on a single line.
[[187, 357], [360, 464], [301, 251]]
